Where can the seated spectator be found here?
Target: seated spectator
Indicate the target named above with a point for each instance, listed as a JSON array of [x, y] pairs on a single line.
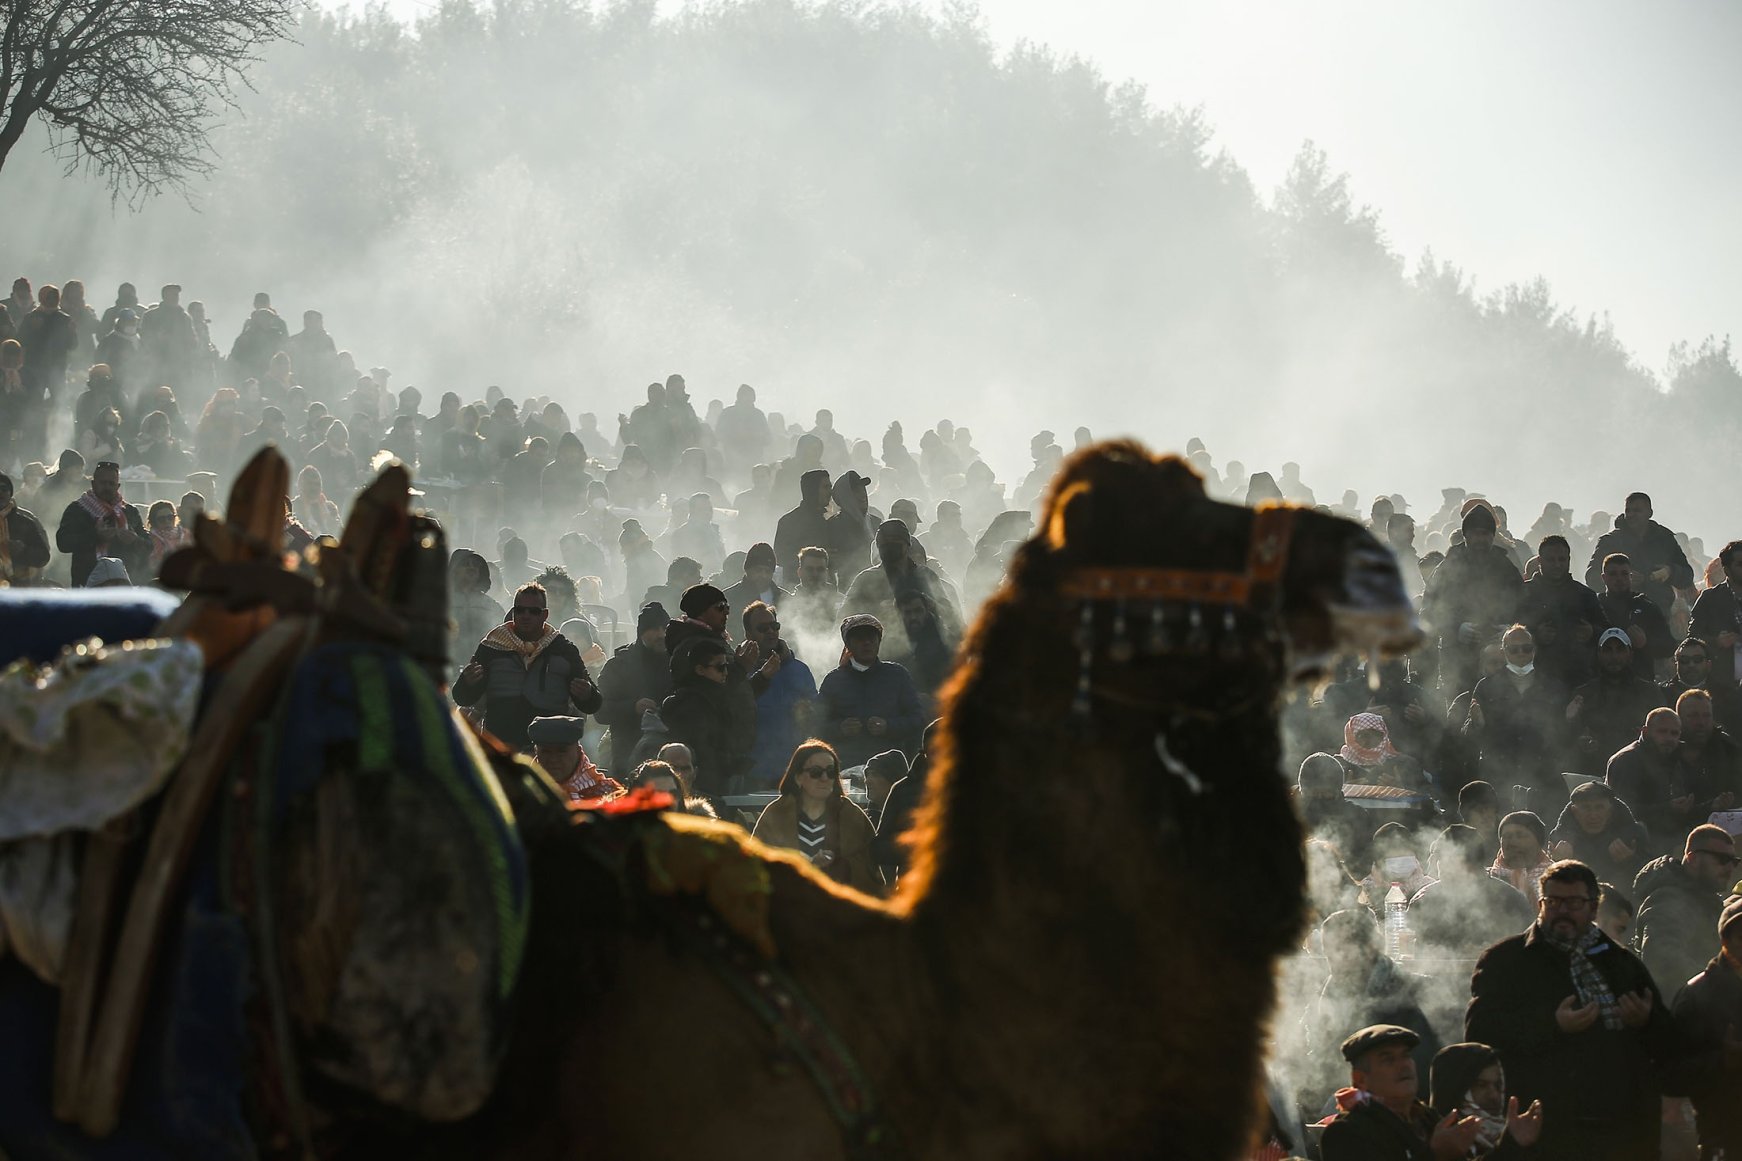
[[867, 705], [1615, 914], [1710, 758], [1635, 614], [882, 772], [1479, 808], [1368, 757], [108, 572], [167, 534], [1606, 712], [1380, 1113], [1467, 1083], [1330, 816], [556, 746], [1695, 670], [681, 575], [1394, 860], [1466, 909], [1648, 775], [157, 448], [313, 509], [1680, 900], [1598, 829], [1518, 717], [656, 775], [814, 817], [757, 583], [101, 438], [334, 459], [702, 713], [1523, 852]]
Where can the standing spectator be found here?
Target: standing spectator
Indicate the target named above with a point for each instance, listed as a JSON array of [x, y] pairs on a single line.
[[807, 524], [1518, 719], [784, 709], [218, 437], [1657, 559], [101, 523], [85, 322], [321, 516], [1578, 1023], [118, 350], [1473, 595], [633, 482], [1605, 713], [1680, 901], [16, 412], [703, 713], [167, 341], [867, 705], [1641, 618], [563, 482], [23, 543], [1717, 617], [333, 458], [634, 682], [1562, 614], [48, 338], [126, 298], [757, 584], [1708, 1013], [527, 669], [1648, 775], [814, 817]]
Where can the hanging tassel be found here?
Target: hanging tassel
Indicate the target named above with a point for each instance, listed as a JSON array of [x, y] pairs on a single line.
[[1085, 657], [1121, 650]]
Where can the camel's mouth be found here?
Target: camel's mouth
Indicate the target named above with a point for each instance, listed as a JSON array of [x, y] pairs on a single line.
[[1369, 614]]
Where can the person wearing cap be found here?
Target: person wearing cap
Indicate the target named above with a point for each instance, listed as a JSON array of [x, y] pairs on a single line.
[[1708, 1014], [526, 668], [849, 530], [1579, 1025], [1379, 1117], [1606, 713], [1680, 898], [634, 681], [1642, 618], [711, 713], [1598, 828], [556, 746], [1659, 564], [1473, 594], [757, 583], [867, 705]]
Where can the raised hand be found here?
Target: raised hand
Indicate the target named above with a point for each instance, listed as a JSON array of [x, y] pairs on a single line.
[[1524, 1128], [1573, 1018]]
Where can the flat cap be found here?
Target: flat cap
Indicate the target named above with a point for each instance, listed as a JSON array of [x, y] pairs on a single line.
[[556, 731], [1377, 1036], [860, 621]]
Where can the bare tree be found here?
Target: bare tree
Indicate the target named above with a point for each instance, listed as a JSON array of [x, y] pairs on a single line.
[[130, 87]]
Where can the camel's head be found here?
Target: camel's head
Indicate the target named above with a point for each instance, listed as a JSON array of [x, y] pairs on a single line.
[[1164, 586]]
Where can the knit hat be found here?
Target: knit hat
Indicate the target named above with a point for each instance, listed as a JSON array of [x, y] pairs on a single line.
[[698, 599], [1479, 517], [860, 621], [760, 553], [1731, 915], [1528, 819], [108, 571], [890, 764], [652, 616]]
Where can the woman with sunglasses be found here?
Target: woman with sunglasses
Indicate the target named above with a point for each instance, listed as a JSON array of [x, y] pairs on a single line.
[[704, 712], [814, 817]]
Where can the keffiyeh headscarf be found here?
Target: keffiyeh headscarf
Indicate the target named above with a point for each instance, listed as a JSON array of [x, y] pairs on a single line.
[[1361, 755]]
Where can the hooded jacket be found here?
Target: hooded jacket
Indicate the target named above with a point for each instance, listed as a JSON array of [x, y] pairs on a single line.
[[1676, 930]]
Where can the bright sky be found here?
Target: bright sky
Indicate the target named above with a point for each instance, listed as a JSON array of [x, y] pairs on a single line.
[[1588, 141]]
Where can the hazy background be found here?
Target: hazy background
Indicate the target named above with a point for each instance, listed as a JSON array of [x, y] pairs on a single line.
[[910, 212]]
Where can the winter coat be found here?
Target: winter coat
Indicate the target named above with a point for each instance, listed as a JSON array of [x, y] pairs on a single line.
[[782, 719], [1717, 611], [1523, 732], [1552, 609], [77, 537], [1656, 548], [1462, 916], [1609, 719], [518, 692], [1593, 849], [886, 691], [633, 673], [849, 836], [1647, 782], [1598, 1093], [1388, 995], [1709, 1005], [1624, 611], [1676, 930], [711, 719]]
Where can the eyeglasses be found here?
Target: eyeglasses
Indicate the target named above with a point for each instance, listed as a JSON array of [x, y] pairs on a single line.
[[819, 771], [720, 666], [1726, 860], [723, 607], [530, 611], [1567, 902]]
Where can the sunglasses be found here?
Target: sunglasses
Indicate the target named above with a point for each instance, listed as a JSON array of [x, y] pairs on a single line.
[[1726, 860], [530, 611], [110, 464], [818, 771], [723, 607]]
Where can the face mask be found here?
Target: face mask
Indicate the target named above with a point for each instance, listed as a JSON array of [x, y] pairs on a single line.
[[1520, 670]]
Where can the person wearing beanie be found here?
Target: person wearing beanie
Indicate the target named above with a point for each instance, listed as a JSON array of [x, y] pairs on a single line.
[[634, 682], [1708, 1014], [757, 583], [1523, 853], [1472, 596]]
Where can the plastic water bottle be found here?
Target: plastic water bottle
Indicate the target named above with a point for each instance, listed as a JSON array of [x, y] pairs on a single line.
[[1396, 922]]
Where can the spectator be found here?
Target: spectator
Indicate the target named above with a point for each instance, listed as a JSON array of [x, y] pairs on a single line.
[[556, 746], [1479, 808], [102, 524], [1693, 671], [1380, 1114], [1649, 776], [1615, 915], [1605, 713], [1523, 852], [1635, 614], [23, 543], [1679, 905], [785, 708], [814, 817], [807, 524], [1711, 760], [757, 584], [702, 713], [634, 682], [319, 514], [526, 669], [1708, 1013], [1369, 758], [1465, 909], [1472, 596], [1578, 1024], [167, 534], [1363, 987], [1717, 618], [1598, 829], [1562, 614], [1650, 549], [1468, 1082], [867, 705], [681, 575], [1518, 717]]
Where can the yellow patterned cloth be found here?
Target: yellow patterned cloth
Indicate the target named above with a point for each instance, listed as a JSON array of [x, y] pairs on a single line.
[[697, 856]]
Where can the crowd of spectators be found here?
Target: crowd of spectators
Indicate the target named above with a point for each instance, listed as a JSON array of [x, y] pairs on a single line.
[[1522, 866]]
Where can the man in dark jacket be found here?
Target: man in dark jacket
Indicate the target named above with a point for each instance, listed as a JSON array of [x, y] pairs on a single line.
[[705, 711], [101, 523], [1607, 712], [1659, 564], [757, 583], [633, 683], [1385, 1120], [1710, 758], [898, 809], [806, 524], [1473, 595], [23, 543], [1563, 615], [1641, 618], [1708, 1013], [1649, 777], [868, 705], [1578, 1023], [1465, 909], [527, 669], [1680, 900], [1362, 987], [1694, 667], [1518, 717], [1717, 616]]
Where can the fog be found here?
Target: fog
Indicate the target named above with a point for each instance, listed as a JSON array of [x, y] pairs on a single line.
[[877, 210]]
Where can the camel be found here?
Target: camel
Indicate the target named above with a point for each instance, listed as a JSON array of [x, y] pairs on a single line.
[[1105, 870]]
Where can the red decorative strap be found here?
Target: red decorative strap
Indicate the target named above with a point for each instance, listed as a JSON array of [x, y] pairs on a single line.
[[1266, 557]]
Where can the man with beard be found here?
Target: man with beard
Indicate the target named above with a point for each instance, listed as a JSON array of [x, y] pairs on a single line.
[[1657, 557], [1710, 756], [101, 523], [1694, 665], [23, 543], [1648, 775], [1578, 1023], [1637, 614], [1380, 1116], [1605, 712], [1680, 901], [1472, 595], [1563, 615]]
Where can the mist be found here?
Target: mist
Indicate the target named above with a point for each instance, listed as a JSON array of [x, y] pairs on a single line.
[[872, 209]]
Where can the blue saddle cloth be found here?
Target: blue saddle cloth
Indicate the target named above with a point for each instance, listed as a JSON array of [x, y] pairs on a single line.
[[39, 623]]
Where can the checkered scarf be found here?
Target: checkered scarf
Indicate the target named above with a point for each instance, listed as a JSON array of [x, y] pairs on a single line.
[[1587, 980]]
